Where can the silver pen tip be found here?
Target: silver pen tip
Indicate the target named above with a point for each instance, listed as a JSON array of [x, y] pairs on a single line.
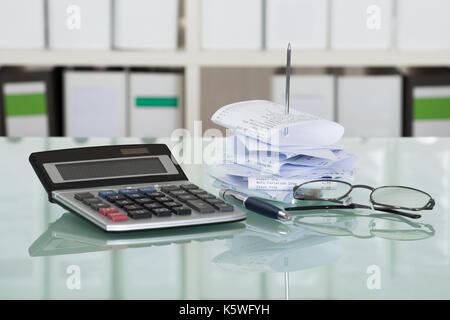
[[284, 215]]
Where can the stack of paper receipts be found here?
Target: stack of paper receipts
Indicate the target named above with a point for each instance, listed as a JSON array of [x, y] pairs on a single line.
[[271, 152]]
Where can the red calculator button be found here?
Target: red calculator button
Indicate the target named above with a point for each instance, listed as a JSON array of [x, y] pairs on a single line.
[[106, 211], [117, 216]]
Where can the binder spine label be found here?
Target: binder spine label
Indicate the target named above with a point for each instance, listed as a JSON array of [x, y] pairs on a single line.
[[156, 102]]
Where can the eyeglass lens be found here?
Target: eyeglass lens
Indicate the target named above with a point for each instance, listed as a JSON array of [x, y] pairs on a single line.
[[322, 190], [400, 197]]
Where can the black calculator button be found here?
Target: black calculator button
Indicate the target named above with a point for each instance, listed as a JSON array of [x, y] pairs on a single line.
[[131, 207], [177, 193], [163, 199], [200, 206], [154, 205], [143, 201], [181, 211], [98, 205], [188, 186], [122, 203], [169, 188], [115, 198], [214, 201], [172, 204], [197, 191], [154, 195], [135, 195], [223, 207], [89, 201], [206, 196], [139, 214], [162, 212], [184, 198], [83, 195]]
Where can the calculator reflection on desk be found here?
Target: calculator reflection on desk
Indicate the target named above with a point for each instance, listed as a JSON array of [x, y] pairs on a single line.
[[129, 187]]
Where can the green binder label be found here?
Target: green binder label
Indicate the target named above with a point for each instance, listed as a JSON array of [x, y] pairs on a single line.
[[142, 102], [431, 108], [25, 104]]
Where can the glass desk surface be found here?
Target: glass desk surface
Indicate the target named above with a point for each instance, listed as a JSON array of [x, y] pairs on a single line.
[[47, 253]]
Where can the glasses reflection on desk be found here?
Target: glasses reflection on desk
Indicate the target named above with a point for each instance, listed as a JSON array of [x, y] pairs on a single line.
[[362, 226]]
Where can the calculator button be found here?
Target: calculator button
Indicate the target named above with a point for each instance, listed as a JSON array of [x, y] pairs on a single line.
[[156, 194], [197, 191], [206, 196], [139, 214], [154, 205], [181, 211], [163, 199], [185, 198], [188, 186], [89, 201], [98, 205], [107, 193], [121, 203], [143, 201], [132, 207], [147, 190], [135, 195], [115, 198], [169, 188], [223, 207], [162, 212], [177, 193], [83, 195], [200, 206], [172, 204], [108, 210], [128, 191], [117, 216]]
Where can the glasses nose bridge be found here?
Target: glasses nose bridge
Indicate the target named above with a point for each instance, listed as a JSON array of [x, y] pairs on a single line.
[[362, 186]]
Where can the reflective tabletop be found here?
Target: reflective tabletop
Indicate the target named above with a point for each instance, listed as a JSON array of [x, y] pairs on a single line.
[[48, 253]]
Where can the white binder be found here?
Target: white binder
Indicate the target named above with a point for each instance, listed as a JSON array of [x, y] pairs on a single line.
[[79, 24], [146, 24], [95, 104], [22, 24], [361, 24], [313, 94], [231, 24], [423, 25], [156, 104], [370, 105], [303, 23]]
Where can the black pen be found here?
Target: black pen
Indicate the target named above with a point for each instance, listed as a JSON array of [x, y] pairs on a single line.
[[254, 204]]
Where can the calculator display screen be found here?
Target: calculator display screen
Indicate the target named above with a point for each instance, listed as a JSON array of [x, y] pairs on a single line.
[[110, 168]]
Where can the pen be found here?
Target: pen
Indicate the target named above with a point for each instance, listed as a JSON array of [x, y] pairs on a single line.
[[254, 204]]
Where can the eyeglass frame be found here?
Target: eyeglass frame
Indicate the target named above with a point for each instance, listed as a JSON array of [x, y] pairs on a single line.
[[386, 208]]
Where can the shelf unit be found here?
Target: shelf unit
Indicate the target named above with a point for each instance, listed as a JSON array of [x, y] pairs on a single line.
[[191, 58]]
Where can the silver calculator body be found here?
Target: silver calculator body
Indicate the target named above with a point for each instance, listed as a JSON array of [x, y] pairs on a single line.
[[128, 188]]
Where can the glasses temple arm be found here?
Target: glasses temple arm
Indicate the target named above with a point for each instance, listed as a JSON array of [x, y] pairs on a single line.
[[353, 206]]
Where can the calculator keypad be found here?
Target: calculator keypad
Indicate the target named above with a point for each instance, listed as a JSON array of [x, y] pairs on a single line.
[[143, 203]]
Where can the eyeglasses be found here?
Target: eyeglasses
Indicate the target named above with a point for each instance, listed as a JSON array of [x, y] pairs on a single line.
[[387, 198]]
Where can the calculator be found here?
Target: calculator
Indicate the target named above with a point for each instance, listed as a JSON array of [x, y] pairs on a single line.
[[128, 187]]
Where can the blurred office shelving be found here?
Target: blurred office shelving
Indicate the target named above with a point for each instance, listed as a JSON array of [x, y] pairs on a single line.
[[195, 61]]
